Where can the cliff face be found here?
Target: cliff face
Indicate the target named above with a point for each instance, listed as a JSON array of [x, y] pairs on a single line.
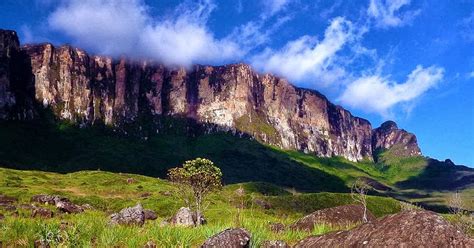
[[87, 89], [388, 135]]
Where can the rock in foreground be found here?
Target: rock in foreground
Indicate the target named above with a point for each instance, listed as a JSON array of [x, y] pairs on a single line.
[[129, 216], [418, 228], [338, 216], [232, 237]]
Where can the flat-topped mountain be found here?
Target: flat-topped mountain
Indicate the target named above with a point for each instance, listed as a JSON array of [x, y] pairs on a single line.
[[88, 89]]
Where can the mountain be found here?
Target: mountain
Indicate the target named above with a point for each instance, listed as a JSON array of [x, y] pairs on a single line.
[[90, 90]]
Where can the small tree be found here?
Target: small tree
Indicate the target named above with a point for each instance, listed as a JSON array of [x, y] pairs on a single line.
[[197, 177], [359, 192], [462, 218]]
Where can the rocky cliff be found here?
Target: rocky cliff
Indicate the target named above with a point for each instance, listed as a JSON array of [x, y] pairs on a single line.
[[388, 135], [89, 89]]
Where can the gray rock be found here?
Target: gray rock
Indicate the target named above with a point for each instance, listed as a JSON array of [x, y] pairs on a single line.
[[42, 212], [232, 237], [274, 244], [184, 217], [129, 216], [150, 214], [68, 207]]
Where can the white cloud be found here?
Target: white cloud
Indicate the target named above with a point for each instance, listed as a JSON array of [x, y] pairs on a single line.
[[379, 94], [388, 13], [125, 27], [306, 58], [471, 75], [274, 6]]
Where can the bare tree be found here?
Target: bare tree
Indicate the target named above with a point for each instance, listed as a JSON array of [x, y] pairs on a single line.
[[463, 219], [359, 192], [456, 204]]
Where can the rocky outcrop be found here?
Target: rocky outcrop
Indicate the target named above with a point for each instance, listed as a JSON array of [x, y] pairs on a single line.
[[129, 216], [416, 228], [233, 237], [388, 135], [336, 216], [184, 217], [88, 89]]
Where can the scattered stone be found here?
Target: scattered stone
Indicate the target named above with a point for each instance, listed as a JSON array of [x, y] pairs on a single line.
[[275, 244], [129, 216], [86, 206], [9, 208], [130, 180], [337, 216], [184, 217], [46, 199], [166, 193], [232, 237], [415, 228], [277, 227], [263, 204], [150, 244], [7, 200], [42, 212], [150, 214], [146, 195], [68, 207]]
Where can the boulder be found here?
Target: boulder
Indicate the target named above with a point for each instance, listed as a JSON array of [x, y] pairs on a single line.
[[232, 237], [336, 216], [42, 212], [68, 207], [274, 244], [184, 217], [129, 216], [150, 214], [263, 204], [415, 228], [7, 200], [47, 199]]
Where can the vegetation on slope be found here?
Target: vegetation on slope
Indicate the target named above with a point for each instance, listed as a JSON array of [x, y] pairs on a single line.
[[109, 192]]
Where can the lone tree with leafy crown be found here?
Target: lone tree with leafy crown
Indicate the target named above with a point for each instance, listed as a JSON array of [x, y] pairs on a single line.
[[196, 179]]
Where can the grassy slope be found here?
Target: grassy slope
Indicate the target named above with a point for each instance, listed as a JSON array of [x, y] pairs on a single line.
[[109, 192], [63, 148]]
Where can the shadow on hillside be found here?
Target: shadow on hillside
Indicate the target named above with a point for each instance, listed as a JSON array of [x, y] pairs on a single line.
[[60, 147], [440, 175]]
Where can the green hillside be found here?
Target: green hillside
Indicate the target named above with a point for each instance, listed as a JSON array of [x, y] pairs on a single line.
[[109, 192], [65, 148]]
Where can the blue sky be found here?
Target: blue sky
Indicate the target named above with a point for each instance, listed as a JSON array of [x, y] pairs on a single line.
[[409, 61]]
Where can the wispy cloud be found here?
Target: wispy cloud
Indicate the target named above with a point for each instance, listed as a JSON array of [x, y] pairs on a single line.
[[126, 27], [378, 94], [306, 57], [274, 6], [388, 13]]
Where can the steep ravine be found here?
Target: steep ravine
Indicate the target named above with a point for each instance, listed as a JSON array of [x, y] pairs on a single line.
[[88, 89]]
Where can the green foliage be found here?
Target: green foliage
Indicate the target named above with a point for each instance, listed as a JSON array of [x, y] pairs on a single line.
[[198, 177], [200, 174]]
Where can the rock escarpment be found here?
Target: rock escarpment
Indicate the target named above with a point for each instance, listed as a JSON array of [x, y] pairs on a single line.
[[88, 89], [388, 135]]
